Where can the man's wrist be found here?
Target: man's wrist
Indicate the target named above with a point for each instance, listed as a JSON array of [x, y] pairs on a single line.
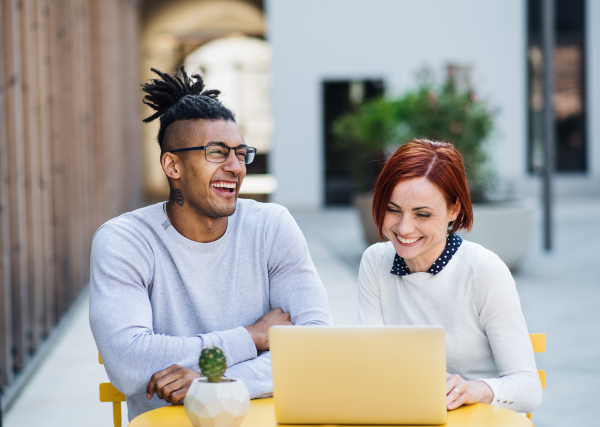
[[255, 335]]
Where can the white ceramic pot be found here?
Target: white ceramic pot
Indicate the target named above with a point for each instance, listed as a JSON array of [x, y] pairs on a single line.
[[223, 404]]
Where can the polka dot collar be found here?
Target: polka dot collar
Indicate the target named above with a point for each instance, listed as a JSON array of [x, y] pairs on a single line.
[[452, 244]]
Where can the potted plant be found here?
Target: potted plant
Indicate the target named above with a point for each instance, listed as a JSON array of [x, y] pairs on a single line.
[[448, 111], [215, 401]]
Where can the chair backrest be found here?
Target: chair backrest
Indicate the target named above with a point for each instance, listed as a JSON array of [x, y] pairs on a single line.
[[538, 342], [108, 393]]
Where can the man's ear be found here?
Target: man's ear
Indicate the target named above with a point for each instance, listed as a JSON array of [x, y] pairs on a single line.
[[171, 165]]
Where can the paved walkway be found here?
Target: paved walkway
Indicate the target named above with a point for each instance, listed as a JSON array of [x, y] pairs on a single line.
[[560, 295]]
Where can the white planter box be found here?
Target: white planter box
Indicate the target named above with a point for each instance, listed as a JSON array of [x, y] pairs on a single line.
[[503, 228], [223, 404]]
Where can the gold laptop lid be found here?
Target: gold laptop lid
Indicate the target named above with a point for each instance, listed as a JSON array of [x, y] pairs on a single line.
[[359, 374]]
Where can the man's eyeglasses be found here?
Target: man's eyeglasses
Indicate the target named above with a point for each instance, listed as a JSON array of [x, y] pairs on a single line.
[[218, 152]]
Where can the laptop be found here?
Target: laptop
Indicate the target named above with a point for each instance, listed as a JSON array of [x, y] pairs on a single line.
[[359, 374]]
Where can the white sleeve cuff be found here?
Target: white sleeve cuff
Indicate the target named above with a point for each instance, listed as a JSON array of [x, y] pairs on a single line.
[[503, 396]]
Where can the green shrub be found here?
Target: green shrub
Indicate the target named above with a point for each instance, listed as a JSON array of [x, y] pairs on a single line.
[[448, 112]]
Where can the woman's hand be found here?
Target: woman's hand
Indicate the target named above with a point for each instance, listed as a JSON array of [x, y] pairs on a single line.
[[461, 392]]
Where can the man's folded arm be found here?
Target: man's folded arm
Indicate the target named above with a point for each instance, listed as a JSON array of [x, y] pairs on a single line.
[[121, 317], [294, 284], [255, 374]]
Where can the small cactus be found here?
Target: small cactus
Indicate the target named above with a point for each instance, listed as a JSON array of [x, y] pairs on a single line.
[[213, 364]]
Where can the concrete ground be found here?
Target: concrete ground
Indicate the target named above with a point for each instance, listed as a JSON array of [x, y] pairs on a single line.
[[560, 296]]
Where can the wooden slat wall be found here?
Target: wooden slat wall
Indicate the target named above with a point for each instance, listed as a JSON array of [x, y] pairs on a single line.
[[16, 178], [5, 279], [69, 154]]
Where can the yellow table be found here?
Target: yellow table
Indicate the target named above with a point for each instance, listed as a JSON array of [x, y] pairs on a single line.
[[261, 414]]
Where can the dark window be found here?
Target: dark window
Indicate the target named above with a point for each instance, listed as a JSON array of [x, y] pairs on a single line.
[[259, 165], [340, 97], [569, 86]]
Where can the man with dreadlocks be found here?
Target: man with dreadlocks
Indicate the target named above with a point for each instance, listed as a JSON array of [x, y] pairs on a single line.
[[202, 269]]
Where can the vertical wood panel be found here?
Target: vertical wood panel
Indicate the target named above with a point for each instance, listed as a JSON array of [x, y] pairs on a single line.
[[130, 60], [44, 97], [112, 105], [69, 120], [99, 131], [107, 17], [6, 363], [74, 143], [57, 135], [31, 108], [86, 121], [16, 184]]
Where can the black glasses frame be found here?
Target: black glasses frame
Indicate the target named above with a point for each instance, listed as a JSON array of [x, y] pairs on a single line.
[[203, 147]]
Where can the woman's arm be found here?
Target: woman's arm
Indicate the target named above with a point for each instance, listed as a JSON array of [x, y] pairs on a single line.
[[369, 301], [518, 386]]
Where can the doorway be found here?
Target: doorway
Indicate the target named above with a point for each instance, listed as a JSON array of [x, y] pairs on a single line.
[[341, 97]]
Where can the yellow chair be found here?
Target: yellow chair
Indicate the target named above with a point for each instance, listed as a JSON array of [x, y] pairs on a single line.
[[108, 393], [538, 341]]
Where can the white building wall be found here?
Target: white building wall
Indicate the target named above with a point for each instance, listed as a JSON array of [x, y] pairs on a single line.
[[593, 90], [316, 40]]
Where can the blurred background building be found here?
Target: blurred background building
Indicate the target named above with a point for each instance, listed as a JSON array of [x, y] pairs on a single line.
[[323, 49], [224, 41], [74, 153]]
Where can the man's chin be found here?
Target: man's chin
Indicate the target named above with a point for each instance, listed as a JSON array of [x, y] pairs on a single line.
[[225, 210]]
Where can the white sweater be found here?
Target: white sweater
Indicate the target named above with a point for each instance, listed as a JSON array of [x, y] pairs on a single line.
[[475, 299]]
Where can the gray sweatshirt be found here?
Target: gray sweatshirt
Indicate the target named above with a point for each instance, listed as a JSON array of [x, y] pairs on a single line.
[[158, 298]]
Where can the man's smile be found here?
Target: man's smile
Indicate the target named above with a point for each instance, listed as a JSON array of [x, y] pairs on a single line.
[[224, 187]]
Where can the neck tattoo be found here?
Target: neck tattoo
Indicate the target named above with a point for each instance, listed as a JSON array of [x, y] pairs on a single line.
[[176, 196]]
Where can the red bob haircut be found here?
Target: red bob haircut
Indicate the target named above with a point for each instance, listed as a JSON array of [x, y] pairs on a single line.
[[440, 163]]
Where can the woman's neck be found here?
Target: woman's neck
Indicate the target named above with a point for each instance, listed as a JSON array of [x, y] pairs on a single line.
[[423, 262]]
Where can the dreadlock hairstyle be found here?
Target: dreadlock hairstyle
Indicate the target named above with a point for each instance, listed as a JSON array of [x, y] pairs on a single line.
[[178, 97]]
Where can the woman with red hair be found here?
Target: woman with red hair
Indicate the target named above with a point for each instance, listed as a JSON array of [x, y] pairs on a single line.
[[427, 275]]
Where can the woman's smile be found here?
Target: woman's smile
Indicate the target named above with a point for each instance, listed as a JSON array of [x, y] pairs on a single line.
[[408, 241]]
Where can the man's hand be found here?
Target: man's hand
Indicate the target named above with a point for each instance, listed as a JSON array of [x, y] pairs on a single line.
[[260, 330], [171, 384]]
